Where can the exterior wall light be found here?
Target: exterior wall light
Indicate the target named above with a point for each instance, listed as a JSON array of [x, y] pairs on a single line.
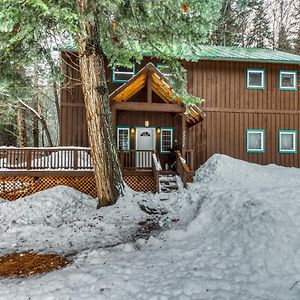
[[147, 123], [132, 130], [158, 130]]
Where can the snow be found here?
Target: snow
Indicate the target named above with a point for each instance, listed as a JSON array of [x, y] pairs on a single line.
[[233, 234]]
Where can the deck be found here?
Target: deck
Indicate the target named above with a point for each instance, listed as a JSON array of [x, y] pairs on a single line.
[[24, 171]]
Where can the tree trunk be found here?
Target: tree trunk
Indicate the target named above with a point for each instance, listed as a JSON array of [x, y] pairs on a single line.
[[107, 170], [35, 120], [21, 127]]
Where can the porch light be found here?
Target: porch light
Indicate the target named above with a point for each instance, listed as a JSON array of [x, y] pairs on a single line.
[[132, 130], [147, 123], [158, 130]]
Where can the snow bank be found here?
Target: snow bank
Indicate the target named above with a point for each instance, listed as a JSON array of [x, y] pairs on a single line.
[[234, 235], [64, 220]]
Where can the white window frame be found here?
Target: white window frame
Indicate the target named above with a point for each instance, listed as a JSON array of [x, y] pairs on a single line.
[[161, 131], [291, 132], [262, 133], [255, 87], [290, 72], [118, 130], [114, 72]]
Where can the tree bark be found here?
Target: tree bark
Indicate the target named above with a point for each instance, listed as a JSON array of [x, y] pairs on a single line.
[[107, 170], [22, 138]]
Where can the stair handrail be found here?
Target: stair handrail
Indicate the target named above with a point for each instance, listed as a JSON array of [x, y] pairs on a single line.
[[156, 167], [182, 168]]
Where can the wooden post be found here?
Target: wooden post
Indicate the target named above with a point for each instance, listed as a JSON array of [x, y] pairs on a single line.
[[28, 159], [114, 117], [122, 159], [183, 134], [149, 87], [75, 159]]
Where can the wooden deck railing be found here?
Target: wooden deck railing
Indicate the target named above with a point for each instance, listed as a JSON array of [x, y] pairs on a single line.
[[156, 167], [182, 168], [54, 158], [136, 159]]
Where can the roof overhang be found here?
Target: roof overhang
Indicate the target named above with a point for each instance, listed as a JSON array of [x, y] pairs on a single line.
[[153, 79]]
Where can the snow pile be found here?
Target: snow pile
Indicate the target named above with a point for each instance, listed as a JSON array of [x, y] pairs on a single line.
[[234, 234], [66, 221]]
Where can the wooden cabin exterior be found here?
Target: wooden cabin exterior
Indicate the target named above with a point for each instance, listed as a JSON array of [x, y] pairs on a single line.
[[251, 112], [232, 109]]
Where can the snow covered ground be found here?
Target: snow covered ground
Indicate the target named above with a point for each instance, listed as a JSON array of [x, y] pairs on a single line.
[[234, 234]]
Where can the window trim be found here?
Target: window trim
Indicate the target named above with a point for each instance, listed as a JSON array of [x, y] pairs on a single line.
[[294, 133], [262, 132], [122, 81], [171, 129], [294, 72], [128, 129], [262, 71]]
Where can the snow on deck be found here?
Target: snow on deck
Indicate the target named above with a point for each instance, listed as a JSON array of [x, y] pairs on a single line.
[[236, 236]]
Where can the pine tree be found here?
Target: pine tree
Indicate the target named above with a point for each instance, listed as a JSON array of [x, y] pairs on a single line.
[[260, 34], [119, 30]]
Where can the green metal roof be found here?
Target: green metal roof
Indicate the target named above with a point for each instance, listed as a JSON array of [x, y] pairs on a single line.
[[205, 52], [241, 54]]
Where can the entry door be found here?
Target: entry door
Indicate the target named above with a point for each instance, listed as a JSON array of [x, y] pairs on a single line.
[[145, 142]]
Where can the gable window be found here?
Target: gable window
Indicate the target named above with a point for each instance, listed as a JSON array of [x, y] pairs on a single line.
[[123, 138], [288, 80], [287, 141], [166, 140], [122, 74], [255, 140], [255, 79], [165, 69]]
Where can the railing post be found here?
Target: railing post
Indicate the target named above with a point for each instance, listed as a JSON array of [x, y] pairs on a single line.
[[122, 159], [75, 159], [28, 159]]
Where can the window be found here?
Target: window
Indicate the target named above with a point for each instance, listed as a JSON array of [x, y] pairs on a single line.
[[165, 69], [256, 79], [255, 140], [122, 74], [288, 80], [166, 139], [123, 138], [287, 141]]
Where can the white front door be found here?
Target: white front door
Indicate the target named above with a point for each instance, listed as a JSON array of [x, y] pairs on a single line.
[[145, 143]]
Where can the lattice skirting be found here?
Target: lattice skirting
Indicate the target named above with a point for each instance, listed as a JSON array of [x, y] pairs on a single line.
[[15, 187], [141, 183]]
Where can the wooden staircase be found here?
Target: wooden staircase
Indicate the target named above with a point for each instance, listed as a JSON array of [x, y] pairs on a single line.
[[169, 181]]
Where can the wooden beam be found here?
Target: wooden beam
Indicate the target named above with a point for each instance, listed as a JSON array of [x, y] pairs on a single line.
[[183, 135], [149, 87], [140, 106]]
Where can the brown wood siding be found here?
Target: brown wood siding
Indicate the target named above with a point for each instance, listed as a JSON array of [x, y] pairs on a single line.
[[231, 108]]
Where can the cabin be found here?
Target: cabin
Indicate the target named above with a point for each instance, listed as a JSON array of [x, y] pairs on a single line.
[[251, 112]]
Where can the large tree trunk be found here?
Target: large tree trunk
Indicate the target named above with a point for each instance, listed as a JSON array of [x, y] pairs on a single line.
[[22, 138], [107, 170]]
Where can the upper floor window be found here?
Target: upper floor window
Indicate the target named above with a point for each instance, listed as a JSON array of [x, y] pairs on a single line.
[[165, 69], [287, 141], [255, 79], [288, 80], [166, 139], [255, 140], [122, 74]]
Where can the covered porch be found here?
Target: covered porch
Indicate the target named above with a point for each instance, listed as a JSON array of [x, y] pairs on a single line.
[[149, 116]]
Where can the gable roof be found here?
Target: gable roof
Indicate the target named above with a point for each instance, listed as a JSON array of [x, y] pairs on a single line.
[[159, 85], [241, 54]]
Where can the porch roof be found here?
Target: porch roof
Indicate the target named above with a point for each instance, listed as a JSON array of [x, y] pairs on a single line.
[[160, 85]]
